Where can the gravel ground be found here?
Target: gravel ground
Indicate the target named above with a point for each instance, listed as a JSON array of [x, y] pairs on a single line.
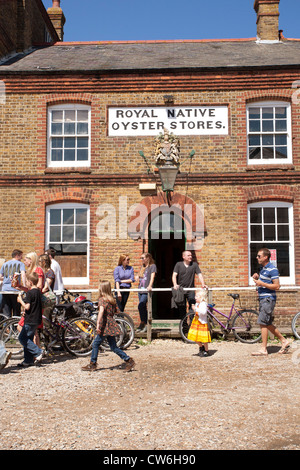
[[172, 400]]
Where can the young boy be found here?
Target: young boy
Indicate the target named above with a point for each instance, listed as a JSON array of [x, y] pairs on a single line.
[[33, 317]]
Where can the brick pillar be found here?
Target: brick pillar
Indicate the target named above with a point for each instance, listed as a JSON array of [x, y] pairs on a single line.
[[57, 17], [267, 19]]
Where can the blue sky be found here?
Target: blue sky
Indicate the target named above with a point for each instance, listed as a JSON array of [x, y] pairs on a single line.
[[125, 20]]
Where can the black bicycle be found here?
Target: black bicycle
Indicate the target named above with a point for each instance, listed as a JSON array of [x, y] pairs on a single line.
[[75, 335]]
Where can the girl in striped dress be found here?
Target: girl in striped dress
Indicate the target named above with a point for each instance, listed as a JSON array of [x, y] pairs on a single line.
[[199, 332]]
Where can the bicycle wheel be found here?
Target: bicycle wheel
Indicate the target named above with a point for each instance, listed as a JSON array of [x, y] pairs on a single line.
[[245, 326], [9, 334], [127, 317], [119, 338], [128, 332], [184, 326], [78, 336], [296, 325], [3, 317]]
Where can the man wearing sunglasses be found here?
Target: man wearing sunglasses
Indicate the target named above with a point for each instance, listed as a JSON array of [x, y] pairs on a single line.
[[267, 282]]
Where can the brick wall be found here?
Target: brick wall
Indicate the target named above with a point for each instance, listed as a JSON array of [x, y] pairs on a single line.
[[22, 25], [219, 179]]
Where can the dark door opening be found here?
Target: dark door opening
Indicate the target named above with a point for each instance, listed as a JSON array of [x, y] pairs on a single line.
[[166, 244]]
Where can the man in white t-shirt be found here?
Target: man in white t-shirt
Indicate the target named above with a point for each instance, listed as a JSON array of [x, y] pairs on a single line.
[[58, 284]]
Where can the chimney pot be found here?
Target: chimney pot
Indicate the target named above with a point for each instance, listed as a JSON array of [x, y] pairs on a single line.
[[57, 17], [267, 19]]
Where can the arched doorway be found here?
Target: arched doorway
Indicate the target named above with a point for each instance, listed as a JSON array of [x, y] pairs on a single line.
[[167, 236]]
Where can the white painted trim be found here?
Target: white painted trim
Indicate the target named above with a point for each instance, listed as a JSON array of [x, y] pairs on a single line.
[[67, 164], [284, 280], [273, 161], [70, 205]]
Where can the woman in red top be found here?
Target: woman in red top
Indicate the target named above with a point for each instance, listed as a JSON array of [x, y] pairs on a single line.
[[31, 262]]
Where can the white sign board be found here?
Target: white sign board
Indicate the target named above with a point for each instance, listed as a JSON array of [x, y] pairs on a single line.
[[190, 120]]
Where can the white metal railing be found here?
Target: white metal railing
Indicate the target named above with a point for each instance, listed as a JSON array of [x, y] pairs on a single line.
[[168, 289]]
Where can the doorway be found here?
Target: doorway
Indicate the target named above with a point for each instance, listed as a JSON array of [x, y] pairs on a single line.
[[166, 244]]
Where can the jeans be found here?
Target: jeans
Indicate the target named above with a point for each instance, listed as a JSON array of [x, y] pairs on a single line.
[[143, 299], [190, 297], [122, 302], [10, 305], [31, 350], [112, 344]]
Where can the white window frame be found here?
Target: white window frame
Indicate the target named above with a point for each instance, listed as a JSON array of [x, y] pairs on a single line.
[[288, 133], [63, 164], [284, 280], [70, 205]]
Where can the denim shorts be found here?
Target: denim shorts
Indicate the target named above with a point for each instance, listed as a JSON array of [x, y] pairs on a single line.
[[266, 309]]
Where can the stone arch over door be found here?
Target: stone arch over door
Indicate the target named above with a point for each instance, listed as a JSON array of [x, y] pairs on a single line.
[[184, 229], [185, 207]]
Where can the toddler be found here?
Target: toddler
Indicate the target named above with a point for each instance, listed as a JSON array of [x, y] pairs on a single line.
[[199, 332]]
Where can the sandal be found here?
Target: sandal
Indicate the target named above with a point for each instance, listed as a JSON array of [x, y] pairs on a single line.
[[259, 353], [285, 348]]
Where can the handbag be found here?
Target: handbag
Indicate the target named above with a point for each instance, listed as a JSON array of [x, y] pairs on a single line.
[[48, 298]]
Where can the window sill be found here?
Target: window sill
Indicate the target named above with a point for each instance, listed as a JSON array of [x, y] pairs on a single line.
[[76, 281], [271, 166], [84, 170]]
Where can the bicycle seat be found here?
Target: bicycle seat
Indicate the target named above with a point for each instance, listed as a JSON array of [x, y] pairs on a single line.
[[234, 296], [211, 305]]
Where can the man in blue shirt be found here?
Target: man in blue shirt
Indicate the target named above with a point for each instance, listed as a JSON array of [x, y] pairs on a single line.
[[9, 304], [267, 282]]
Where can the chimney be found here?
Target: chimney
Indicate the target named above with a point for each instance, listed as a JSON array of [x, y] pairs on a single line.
[[267, 19], [57, 17]]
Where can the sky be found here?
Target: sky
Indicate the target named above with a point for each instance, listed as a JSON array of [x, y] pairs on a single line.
[[136, 20]]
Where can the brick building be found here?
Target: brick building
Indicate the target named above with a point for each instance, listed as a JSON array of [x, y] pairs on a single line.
[[75, 117]]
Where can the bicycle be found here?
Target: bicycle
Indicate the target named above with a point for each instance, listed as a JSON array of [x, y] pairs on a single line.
[[296, 325], [127, 330], [123, 319], [243, 323], [75, 335]]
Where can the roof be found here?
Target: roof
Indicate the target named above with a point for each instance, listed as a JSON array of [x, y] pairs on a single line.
[[155, 55]]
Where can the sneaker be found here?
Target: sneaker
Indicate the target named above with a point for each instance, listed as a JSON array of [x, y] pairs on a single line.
[[140, 327], [7, 358], [38, 359], [92, 366], [144, 330], [25, 364], [129, 365], [205, 354]]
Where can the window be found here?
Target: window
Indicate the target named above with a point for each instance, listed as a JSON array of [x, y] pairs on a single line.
[[67, 231], [269, 133], [271, 226], [68, 136]]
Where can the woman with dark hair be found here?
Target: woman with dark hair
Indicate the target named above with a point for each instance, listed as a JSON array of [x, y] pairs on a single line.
[[45, 264], [146, 279], [124, 277]]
